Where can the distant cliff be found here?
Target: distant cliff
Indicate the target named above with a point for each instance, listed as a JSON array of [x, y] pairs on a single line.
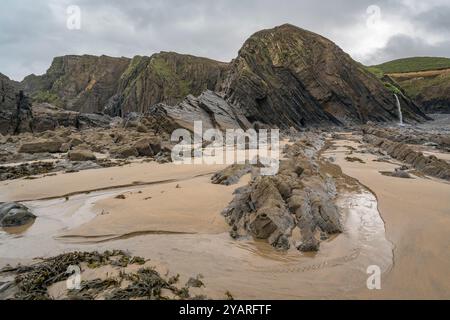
[[78, 83], [284, 77], [91, 84], [425, 79]]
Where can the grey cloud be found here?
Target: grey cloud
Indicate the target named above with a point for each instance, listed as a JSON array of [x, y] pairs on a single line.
[[403, 46], [436, 19], [33, 32]]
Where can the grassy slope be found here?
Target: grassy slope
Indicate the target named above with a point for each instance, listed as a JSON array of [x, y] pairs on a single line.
[[415, 76], [415, 64]]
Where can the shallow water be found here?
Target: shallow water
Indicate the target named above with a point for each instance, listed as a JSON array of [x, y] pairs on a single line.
[[53, 217]]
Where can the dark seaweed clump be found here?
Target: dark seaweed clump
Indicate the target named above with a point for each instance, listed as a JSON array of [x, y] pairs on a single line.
[[32, 282]]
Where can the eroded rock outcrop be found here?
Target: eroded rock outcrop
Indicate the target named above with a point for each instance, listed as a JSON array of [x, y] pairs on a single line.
[[291, 77], [209, 108], [79, 83], [81, 155], [429, 165], [15, 108], [41, 146], [46, 117], [411, 136], [231, 175], [285, 77], [166, 77], [299, 196]]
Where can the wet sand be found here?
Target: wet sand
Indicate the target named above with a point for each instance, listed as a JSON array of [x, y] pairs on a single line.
[[171, 215], [101, 179], [182, 229], [417, 217], [178, 207]]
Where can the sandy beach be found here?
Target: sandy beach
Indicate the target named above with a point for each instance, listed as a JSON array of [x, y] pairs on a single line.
[[170, 214], [416, 213]]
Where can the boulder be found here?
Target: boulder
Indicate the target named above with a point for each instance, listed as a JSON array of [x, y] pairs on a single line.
[[401, 174], [148, 147], [41, 146], [75, 142], [49, 117], [81, 155], [65, 147], [94, 120], [231, 175], [15, 215], [125, 152]]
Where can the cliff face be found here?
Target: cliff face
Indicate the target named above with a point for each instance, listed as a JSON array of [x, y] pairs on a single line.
[[288, 76], [79, 83], [430, 89], [285, 77], [8, 90], [15, 108], [121, 85], [165, 77]]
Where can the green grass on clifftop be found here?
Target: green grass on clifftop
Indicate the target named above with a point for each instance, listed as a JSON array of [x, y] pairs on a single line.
[[415, 64]]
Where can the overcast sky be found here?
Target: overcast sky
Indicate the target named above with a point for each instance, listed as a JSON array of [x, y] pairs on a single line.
[[33, 32]]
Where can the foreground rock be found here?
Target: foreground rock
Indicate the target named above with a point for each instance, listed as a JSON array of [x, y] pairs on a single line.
[[270, 208], [14, 215]]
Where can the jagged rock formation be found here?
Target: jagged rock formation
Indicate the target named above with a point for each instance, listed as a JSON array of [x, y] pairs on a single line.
[[209, 107], [412, 136], [231, 175], [166, 77], [48, 117], [14, 107], [291, 77], [18, 115], [79, 83], [285, 77], [429, 165], [90, 84], [271, 207]]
